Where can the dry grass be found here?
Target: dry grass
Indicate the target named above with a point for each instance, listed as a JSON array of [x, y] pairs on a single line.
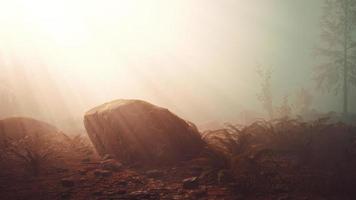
[[287, 154], [39, 152]]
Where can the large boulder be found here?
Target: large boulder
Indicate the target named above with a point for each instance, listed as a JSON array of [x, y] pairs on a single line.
[[137, 131], [16, 128]]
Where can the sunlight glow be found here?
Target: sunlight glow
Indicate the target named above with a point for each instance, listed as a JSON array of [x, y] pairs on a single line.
[[73, 54]]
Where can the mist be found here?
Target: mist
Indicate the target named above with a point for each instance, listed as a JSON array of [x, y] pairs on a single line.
[[59, 59]]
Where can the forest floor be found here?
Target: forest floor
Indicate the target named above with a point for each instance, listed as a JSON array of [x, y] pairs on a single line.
[[86, 179], [281, 160]]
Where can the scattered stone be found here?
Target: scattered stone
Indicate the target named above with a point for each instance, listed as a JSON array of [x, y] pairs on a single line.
[[97, 193], [154, 173], [284, 197], [111, 164], [85, 160], [109, 193], [65, 195], [121, 183], [102, 173], [224, 176], [196, 168], [107, 157], [200, 193], [140, 194], [121, 191], [177, 197], [82, 172], [62, 170], [67, 182], [83, 180], [191, 183]]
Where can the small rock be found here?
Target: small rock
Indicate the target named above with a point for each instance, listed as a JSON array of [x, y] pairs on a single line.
[[177, 197], [85, 160], [224, 176], [121, 183], [190, 183], [111, 164], [65, 195], [139, 194], [102, 173], [200, 193], [61, 170], [121, 191], [107, 157], [82, 172], [83, 180], [153, 173], [67, 182], [284, 197], [196, 168], [97, 193]]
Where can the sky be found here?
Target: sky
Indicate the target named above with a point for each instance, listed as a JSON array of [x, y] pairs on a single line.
[[196, 57]]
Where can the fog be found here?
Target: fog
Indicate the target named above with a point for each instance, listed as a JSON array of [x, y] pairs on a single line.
[[198, 58]]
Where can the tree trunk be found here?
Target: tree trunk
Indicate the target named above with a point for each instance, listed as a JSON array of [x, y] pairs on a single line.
[[345, 84]]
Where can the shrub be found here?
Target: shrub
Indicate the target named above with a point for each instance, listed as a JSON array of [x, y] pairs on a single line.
[[288, 154], [32, 152]]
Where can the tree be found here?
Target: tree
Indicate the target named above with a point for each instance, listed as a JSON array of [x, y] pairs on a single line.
[[337, 48], [303, 101], [285, 109], [265, 96]]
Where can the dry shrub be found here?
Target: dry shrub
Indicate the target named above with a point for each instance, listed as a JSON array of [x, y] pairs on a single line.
[[288, 154], [33, 152]]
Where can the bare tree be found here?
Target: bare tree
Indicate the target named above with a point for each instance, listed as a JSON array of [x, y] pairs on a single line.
[[303, 101], [285, 109], [265, 96], [337, 48]]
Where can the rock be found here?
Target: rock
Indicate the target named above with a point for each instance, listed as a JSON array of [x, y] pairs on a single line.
[[17, 128], [284, 197], [83, 180], [191, 183], [153, 173], [82, 172], [97, 193], [65, 195], [200, 193], [141, 194], [107, 157], [67, 182], [85, 160], [121, 191], [225, 176], [136, 131], [102, 173], [121, 183], [111, 164], [61, 170]]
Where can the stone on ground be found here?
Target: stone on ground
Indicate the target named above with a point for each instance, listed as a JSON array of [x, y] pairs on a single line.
[[136, 131]]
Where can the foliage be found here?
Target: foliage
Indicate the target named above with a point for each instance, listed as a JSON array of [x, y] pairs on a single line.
[[287, 153], [337, 47], [303, 101], [285, 109], [265, 96]]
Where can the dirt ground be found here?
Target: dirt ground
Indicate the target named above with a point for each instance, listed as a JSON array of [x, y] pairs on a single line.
[[79, 179]]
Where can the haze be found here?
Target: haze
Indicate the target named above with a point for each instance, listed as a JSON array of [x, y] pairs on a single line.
[[198, 58]]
